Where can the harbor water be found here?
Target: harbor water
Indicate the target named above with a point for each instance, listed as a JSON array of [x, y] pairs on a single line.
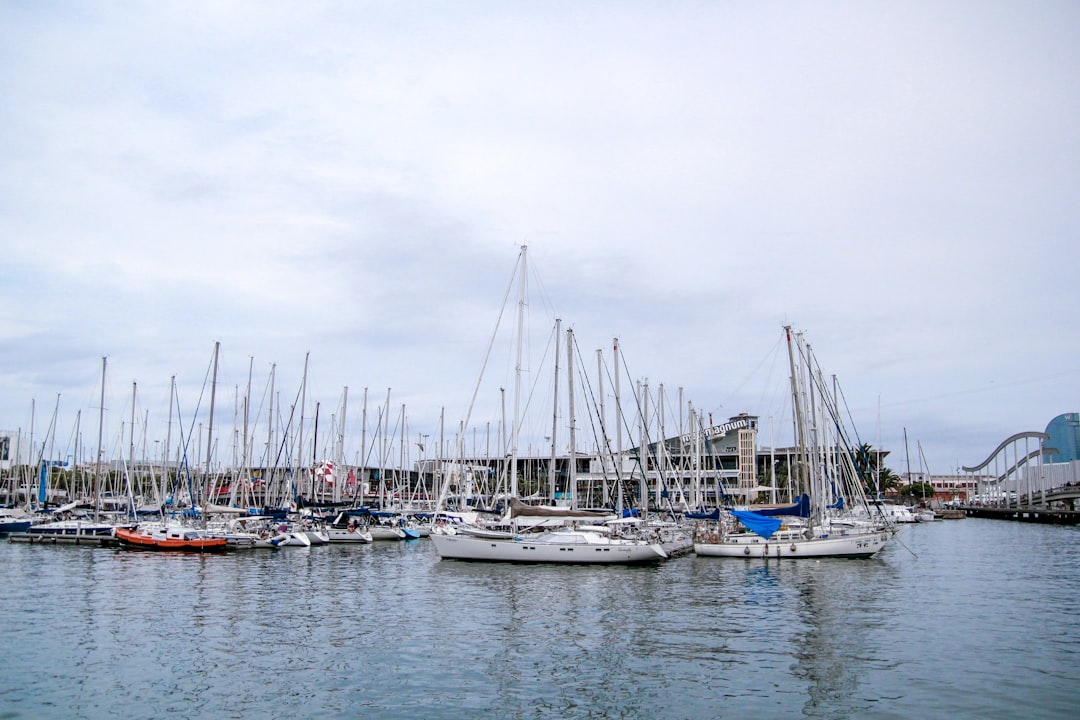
[[967, 618]]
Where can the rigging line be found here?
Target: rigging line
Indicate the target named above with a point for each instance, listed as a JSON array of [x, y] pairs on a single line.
[[974, 391], [367, 456], [536, 378], [896, 537], [51, 429], [643, 453], [603, 430], [774, 354], [198, 406], [491, 344]]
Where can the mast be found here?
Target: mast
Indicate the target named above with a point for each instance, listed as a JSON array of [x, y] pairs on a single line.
[[340, 455], [619, 492], [73, 485], [571, 475], [643, 448], [604, 449], [33, 409], [517, 375], [97, 467], [131, 451], [168, 442], [363, 450], [662, 463], [907, 457], [210, 438], [801, 474], [245, 456], [384, 456], [314, 451], [271, 447], [555, 406], [300, 439]]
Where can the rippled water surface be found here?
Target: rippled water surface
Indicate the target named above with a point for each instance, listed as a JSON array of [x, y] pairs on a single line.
[[969, 618]]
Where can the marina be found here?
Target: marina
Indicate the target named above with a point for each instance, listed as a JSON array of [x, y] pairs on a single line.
[[957, 619]]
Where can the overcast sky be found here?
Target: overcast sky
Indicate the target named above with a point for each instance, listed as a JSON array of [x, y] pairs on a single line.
[[351, 182]]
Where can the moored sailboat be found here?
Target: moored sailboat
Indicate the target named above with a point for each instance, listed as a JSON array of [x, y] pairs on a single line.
[[170, 536], [825, 468], [544, 534]]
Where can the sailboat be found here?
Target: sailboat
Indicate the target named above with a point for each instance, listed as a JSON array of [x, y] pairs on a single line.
[[824, 465], [75, 530], [567, 535]]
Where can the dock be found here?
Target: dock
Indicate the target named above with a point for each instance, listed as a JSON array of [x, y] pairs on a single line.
[[1043, 515]]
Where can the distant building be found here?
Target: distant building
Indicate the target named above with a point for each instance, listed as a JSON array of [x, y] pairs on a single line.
[[947, 487], [1064, 436]]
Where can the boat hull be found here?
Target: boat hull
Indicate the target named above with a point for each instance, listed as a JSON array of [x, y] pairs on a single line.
[[856, 545], [386, 532], [354, 535], [66, 532], [522, 550], [15, 526], [143, 541]]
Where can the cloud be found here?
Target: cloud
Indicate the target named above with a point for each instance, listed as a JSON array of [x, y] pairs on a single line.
[[351, 183]]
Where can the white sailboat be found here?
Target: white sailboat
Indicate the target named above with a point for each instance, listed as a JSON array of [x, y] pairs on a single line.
[[824, 466], [560, 541]]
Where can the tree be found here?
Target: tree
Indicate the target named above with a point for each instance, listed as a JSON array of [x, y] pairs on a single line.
[[917, 490], [874, 478]]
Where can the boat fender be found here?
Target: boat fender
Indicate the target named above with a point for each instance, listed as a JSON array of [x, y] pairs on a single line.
[[746, 551], [792, 547]]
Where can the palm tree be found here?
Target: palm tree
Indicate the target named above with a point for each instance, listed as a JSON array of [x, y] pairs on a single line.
[[875, 477]]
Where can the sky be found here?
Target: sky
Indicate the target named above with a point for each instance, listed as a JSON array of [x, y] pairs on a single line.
[[348, 186]]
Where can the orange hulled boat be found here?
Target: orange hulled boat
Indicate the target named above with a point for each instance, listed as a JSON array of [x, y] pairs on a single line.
[[169, 537]]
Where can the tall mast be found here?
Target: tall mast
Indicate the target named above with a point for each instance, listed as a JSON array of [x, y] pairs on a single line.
[[245, 456], [300, 438], [315, 450], [210, 438], [571, 475], [555, 409], [517, 374], [619, 492], [101, 424], [271, 445], [798, 419], [340, 461], [168, 443], [604, 451], [384, 456], [363, 448], [131, 451], [643, 448]]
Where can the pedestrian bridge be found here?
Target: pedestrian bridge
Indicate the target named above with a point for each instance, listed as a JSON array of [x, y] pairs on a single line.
[[1016, 483]]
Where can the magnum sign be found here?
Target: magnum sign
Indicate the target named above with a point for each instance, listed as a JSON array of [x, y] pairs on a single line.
[[718, 431]]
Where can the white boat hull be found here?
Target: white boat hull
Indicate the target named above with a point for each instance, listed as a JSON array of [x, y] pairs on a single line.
[[525, 550], [291, 539], [317, 537], [349, 535], [386, 532], [748, 545]]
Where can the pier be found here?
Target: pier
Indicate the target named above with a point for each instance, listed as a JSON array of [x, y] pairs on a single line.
[[1025, 514]]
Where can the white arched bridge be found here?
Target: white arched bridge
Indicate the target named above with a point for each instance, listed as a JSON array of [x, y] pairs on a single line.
[[1015, 482]]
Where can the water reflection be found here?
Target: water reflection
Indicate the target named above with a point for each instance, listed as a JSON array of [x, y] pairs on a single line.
[[983, 616]]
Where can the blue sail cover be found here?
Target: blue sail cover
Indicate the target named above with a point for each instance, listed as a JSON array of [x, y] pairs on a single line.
[[801, 508], [760, 524]]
